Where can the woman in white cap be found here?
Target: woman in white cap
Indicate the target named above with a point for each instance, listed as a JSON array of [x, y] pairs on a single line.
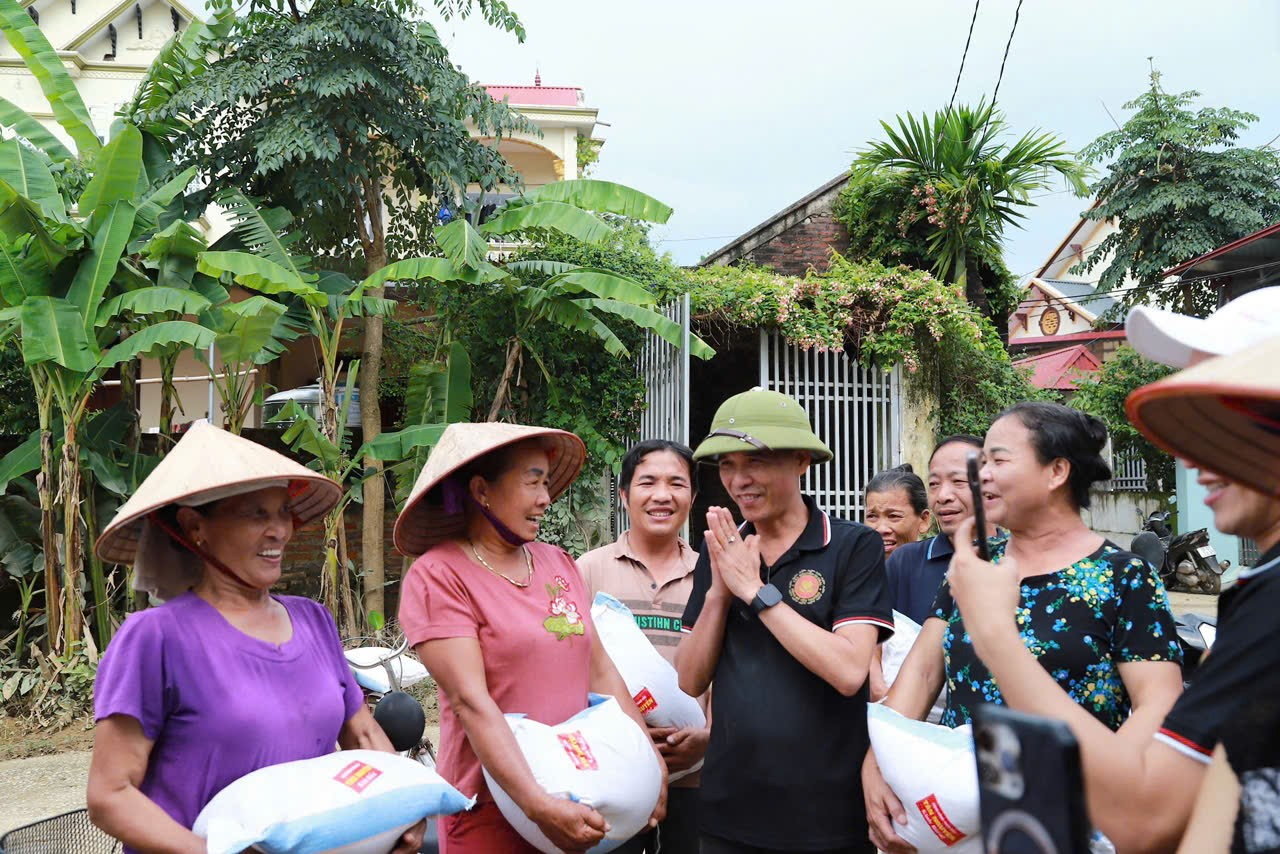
[[224, 678], [503, 624]]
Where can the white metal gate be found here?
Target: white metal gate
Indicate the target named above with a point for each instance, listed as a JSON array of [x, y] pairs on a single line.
[[855, 410], [665, 371]]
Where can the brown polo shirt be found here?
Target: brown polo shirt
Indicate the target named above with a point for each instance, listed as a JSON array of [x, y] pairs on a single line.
[[615, 569]]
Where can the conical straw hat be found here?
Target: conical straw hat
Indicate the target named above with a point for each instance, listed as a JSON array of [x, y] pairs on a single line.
[[1222, 415], [424, 522], [209, 463]]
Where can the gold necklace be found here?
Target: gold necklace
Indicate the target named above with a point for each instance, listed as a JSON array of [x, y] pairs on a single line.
[[528, 562]]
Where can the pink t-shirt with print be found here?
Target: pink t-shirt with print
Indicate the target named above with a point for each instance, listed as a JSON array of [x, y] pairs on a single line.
[[535, 641]]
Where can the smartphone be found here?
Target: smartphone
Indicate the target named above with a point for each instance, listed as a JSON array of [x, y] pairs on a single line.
[[1031, 790], [973, 463]]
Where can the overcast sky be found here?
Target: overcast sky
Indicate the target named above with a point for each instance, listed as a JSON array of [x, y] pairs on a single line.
[[730, 111]]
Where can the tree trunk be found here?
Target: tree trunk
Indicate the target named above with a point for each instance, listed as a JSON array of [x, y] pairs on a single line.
[[168, 394], [504, 384], [69, 489], [374, 508], [129, 395], [48, 520]]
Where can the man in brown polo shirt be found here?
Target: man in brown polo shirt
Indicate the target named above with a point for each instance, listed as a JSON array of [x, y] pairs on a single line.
[[650, 570]]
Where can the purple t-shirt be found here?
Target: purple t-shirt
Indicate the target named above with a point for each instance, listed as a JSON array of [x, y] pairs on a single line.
[[218, 703]]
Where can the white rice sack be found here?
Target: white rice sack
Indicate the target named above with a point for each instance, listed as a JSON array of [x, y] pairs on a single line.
[[652, 681], [934, 772], [350, 802], [372, 676], [894, 651], [600, 758]]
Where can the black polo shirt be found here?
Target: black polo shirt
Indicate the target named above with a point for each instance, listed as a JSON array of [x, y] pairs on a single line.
[[915, 572], [783, 769], [1235, 682]]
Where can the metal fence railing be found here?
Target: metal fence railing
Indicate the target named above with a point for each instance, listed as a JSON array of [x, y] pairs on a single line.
[[1129, 473]]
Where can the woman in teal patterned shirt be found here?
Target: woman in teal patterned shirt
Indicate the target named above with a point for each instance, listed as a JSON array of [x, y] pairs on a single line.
[[1095, 617]]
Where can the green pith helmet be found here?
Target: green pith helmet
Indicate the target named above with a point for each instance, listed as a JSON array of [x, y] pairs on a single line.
[[761, 420]]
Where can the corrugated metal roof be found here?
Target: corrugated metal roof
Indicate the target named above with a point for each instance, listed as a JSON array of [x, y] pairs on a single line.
[[1083, 294]]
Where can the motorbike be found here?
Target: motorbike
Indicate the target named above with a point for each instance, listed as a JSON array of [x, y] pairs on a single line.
[[1189, 561], [382, 674], [1196, 632]]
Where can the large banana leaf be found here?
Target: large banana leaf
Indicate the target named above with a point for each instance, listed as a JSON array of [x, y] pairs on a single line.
[[391, 447], [437, 269], [22, 218], [304, 434], [600, 283], [22, 276], [152, 300], [667, 329], [25, 171], [244, 328], [53, 331], [462, 244], [96, 271], [154, 204], [21, 123], [58, 86], [116, 170], [260, 274], [23, 459], [259, 233], [440, 393], [555, 216], [537, 265], [573, 315], [602, 196], [179, 238], [147, 341]]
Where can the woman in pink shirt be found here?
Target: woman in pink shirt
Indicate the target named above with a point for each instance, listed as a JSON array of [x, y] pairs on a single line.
[[503, 623]]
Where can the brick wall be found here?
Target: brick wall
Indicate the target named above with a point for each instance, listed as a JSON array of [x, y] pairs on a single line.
[[802, 246], [304, 558]]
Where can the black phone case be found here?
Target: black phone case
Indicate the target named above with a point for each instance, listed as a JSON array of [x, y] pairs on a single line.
[[1050, 817]]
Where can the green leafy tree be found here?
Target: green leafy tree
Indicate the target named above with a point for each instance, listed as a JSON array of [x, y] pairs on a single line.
[[1104, 396], [18, 415], [888, 223], [352, 117], [967, 183], [1178, 185]]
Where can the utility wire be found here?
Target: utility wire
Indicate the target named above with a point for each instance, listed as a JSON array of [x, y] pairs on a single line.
[[1008, 44], [964, 55]]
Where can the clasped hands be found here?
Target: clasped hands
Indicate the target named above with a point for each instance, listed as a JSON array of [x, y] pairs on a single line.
[[735, 561]]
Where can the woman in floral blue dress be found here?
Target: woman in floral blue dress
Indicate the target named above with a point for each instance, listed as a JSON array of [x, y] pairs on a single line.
[[1096, 617]]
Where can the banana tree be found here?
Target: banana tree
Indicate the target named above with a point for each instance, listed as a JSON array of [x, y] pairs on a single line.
[[550, 292], [325, 303], [58, 274]]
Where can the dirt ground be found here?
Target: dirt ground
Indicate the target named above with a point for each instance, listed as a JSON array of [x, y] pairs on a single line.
[[44, 774]]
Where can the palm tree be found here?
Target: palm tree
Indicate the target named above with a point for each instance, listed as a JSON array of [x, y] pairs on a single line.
[[967, 182]]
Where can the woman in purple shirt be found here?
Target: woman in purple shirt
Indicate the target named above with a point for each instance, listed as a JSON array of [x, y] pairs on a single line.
[[224, 678]]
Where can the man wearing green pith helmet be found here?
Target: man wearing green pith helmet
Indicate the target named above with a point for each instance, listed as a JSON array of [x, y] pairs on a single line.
[[784, 616]]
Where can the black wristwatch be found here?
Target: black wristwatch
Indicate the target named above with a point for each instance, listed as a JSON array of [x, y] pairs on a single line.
[[767, 597]]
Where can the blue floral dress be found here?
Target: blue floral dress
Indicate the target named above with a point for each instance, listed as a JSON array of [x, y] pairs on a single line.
[[1080, 623]]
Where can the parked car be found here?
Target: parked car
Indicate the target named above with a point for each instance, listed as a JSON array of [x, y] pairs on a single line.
[[308, 397]]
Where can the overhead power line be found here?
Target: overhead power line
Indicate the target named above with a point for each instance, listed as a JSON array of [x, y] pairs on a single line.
[[1008, 44], [964, 55]]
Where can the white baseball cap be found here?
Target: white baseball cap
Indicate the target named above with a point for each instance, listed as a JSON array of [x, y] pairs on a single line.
[[1174, 339]]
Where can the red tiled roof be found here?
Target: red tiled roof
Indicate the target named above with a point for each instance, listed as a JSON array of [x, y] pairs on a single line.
[[1060, 369], [539, 96]]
